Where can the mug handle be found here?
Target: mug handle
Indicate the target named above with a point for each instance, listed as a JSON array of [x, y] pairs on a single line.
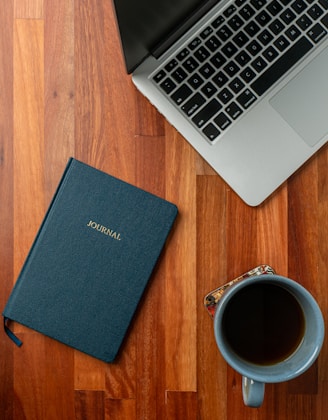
[[253, 392]]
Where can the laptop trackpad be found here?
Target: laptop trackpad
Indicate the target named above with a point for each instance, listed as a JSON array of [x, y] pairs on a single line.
[[303, 102]]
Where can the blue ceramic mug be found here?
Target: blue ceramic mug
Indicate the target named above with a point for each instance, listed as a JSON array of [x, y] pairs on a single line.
[[269, 329]]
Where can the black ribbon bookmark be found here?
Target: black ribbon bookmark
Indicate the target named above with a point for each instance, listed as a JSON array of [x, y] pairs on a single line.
[[10, 334]]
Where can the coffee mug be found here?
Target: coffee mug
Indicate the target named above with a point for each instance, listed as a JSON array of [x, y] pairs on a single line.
[[268, 328]]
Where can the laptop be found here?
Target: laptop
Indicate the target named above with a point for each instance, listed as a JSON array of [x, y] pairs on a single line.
[[244, 81]]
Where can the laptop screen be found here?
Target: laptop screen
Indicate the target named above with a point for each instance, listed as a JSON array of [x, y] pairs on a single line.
[[145, 24]]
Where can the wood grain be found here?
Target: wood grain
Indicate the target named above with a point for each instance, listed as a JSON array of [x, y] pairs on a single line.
[[64, 92]]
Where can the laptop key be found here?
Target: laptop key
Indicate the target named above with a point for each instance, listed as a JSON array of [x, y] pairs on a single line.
[[277, 26], [259, 64], [220, 79], [247, 12], [324, 20], [293, 32], [193, 104], [218, 60], [248, 75], [225, 96], [209, 89], [183, 54], [258, 4], [190, 64], [235, 22], [265, 37], [194, 43], [239, 3], [299, 6], [229, 49], [230, 10], [222, 121], [287, 16], [206, 70], [179, 75], [304, 22], [315, 11], [206, 32], [274, 7], [263, 18], [241, 39], [168, 85], [181, 94], [202, 54], [236, 85], [281, 43], [206, 113], [254, 48], [224, 33], [195, 81], [159, 76], [282, 65], [252, 28], [324, 4], [213, 43], [246, 98], [211, 132], [317, 32], [242, 58], [270, 53], [231, 68], [171, 65], [218, 22], [233, 110]]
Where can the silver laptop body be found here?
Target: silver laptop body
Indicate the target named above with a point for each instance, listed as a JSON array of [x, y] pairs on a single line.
[[274, 122]]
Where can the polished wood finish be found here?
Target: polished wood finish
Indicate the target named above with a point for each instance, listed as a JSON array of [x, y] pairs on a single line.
[[64, 92]]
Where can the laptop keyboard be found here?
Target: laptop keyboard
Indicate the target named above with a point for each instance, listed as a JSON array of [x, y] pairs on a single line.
[[231, 63]]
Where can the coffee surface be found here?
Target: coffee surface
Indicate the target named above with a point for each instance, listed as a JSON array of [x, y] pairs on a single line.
[[263, 323]]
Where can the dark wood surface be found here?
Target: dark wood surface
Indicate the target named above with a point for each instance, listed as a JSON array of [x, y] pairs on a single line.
[[64, 92]]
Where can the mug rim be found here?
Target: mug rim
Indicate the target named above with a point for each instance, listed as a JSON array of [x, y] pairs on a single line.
[[292, 366]]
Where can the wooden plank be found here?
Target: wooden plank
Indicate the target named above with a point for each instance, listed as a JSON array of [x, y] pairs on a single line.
[[6, 201], [59, 90], [57, 364], [148, 120], [272, 232], [180, 294], [121, 409], [90, 82], [89, 405], [241, 235], [105, 111], [120, 376], [30, 378], [211, 273], [89, 373], [150, 356], [29, 205], [321, 282], [181, 405], [28, 9], [302, 263]]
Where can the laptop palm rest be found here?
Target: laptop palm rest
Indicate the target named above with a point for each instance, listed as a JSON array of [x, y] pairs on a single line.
[[303, 102]]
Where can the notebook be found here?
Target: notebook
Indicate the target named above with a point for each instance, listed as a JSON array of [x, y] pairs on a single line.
[[91, 261], [244, 81]]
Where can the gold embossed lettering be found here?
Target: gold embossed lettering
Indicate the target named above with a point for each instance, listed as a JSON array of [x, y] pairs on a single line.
[[105, 230]]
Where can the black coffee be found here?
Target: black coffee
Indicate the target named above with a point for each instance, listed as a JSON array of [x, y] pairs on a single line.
[[263, 323]]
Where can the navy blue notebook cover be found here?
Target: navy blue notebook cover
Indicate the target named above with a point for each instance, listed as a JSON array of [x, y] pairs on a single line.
[[91, 261]]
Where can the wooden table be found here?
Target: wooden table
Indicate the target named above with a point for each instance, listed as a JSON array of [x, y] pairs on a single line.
[[64, 92]]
